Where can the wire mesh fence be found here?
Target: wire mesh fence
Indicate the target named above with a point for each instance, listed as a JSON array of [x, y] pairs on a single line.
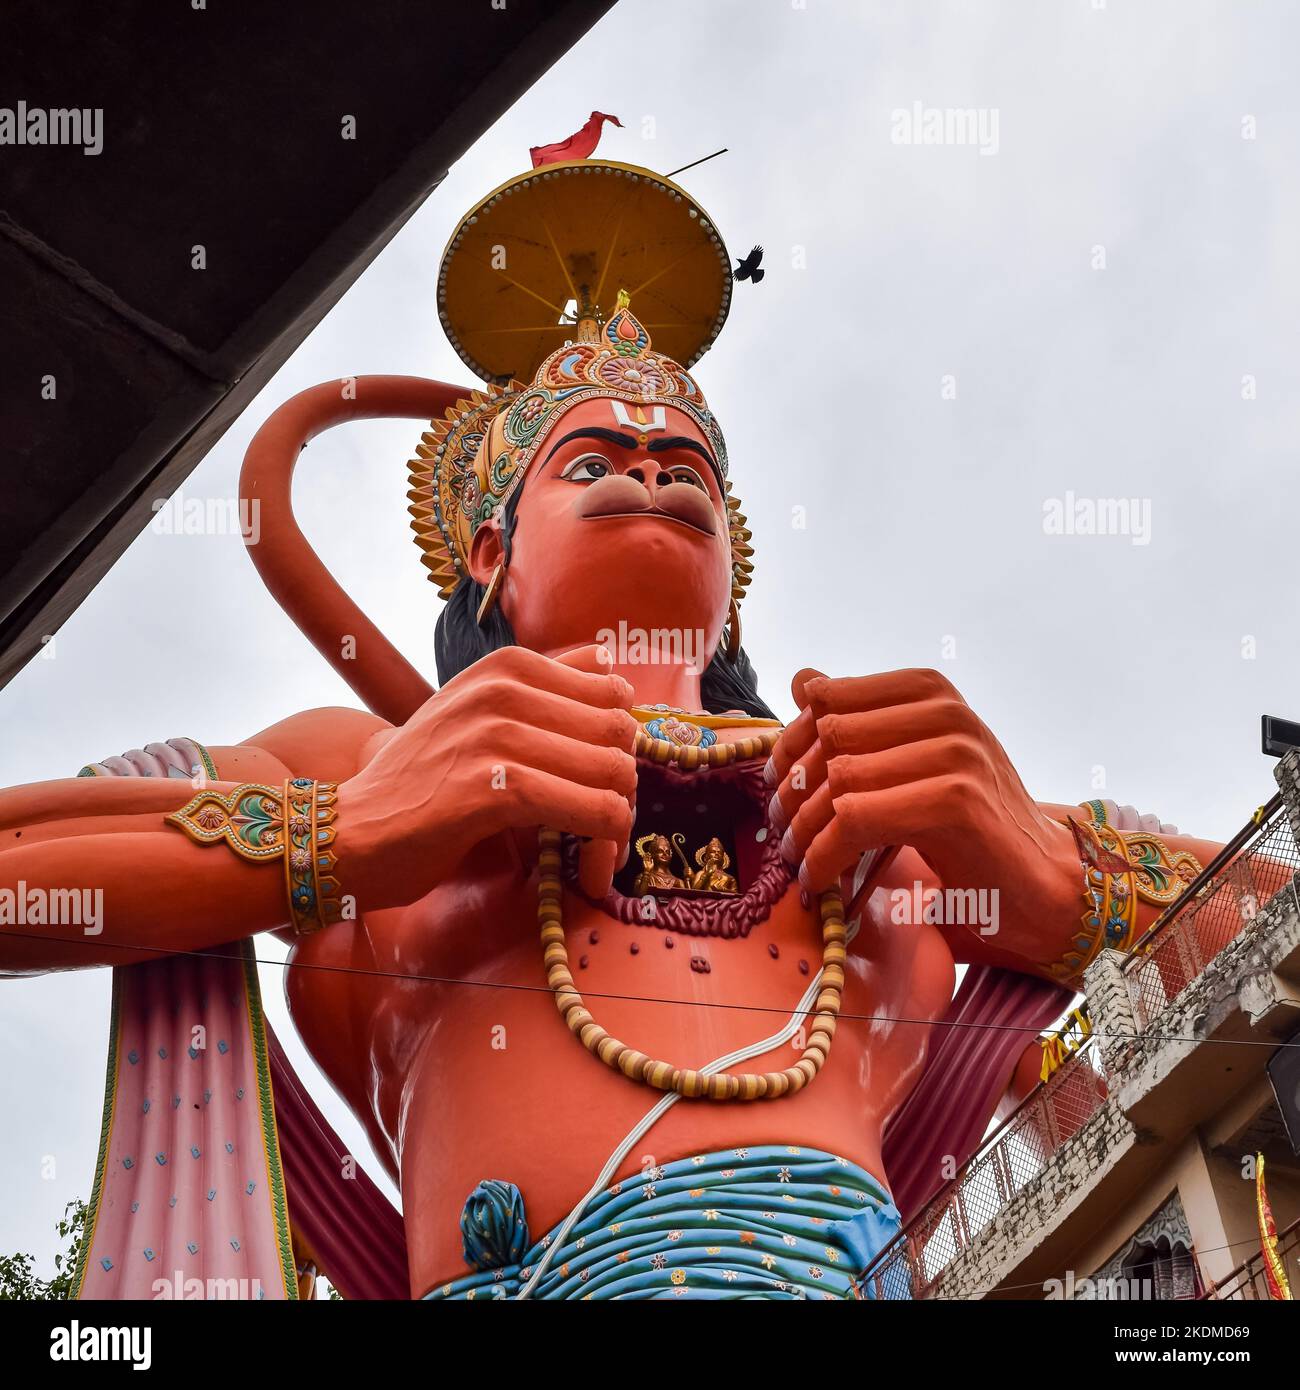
[[1018, 1153], [1203, 922]]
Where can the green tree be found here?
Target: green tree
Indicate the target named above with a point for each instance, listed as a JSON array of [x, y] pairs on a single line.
[[18, 1280]]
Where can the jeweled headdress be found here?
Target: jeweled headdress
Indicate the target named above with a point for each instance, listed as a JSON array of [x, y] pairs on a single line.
[[470, 463]]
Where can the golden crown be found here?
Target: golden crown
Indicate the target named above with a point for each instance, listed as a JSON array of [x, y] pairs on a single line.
[[468, 464]]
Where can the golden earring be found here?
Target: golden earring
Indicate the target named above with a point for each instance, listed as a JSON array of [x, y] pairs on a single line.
[[733, 632], [491, 593]]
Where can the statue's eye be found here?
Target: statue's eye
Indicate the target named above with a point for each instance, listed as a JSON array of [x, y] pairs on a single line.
[[587, 469], [682, 474]]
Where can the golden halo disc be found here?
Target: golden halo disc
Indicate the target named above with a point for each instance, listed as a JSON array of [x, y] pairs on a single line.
[[574, 234]]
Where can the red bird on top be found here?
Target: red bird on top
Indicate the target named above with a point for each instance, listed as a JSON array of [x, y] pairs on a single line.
[[580, 145]]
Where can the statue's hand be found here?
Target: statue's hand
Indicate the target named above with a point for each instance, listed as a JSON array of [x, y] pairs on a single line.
[[517, 741], [902, 759]]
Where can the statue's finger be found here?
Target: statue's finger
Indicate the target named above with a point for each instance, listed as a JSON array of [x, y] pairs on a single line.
[[598, 860], [813, 817], [803, 779], [855, 694], [796, 739], [800, 681]]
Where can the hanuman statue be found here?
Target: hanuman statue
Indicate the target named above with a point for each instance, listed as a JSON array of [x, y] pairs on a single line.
[[559, 1082]]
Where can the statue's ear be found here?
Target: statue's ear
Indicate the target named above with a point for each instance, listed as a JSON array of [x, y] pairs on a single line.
[[487, 550]]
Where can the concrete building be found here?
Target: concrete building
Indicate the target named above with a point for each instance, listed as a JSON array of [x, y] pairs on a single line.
[[1130, 1173]]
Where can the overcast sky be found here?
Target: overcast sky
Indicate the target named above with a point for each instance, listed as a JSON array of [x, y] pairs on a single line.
[[948, 342]]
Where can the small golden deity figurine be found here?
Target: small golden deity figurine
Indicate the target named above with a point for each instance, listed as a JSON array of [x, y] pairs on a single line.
[[656, 854], [712, 876]]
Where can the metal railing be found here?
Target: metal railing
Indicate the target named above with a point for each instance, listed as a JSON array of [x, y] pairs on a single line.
[[1247, 1281], [1260, 860], [1217, 906], [1052, 1113]]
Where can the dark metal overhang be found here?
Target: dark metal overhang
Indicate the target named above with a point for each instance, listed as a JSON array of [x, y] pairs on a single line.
[[222, 128]]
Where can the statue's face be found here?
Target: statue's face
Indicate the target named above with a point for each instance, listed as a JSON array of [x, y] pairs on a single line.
[[713, 854], [617, 523], [663, 850]]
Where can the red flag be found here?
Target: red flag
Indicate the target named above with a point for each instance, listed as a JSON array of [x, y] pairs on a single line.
[[580, 145], [1274, 1269]]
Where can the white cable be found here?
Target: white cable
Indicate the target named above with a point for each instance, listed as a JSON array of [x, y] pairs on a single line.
[[647, 1122]]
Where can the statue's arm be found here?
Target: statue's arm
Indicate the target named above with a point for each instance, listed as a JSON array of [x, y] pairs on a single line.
[[96, 855], [91, 873], [515, 742], [1041, 942]]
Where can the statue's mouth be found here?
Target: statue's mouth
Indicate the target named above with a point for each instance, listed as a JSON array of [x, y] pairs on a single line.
[[658, 512]]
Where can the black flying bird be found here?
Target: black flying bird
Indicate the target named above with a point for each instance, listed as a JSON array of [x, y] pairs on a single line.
[[748, 269]]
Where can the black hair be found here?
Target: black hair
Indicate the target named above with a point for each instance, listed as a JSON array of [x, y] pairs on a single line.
[[460, 640]]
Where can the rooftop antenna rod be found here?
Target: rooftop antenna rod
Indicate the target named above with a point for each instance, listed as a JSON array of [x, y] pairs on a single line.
[[705, 160]]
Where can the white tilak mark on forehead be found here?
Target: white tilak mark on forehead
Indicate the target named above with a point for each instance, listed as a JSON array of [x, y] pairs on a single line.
[[658, 417]]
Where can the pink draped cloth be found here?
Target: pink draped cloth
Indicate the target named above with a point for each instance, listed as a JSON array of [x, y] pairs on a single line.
[[355, 1233], [189, 1197], [216, 1165], [210, 1145], [993, 1017]]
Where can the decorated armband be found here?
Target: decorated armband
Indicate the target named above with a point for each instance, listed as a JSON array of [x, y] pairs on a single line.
[[1120, 868], [1161, 873], [291, 825]]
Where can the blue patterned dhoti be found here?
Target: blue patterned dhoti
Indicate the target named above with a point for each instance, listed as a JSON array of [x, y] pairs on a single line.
[[771, 1221]]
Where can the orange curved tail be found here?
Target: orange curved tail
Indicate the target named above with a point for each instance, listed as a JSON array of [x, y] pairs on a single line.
[[295, 575]]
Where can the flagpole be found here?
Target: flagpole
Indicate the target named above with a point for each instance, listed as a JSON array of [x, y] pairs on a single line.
[[705, 160]]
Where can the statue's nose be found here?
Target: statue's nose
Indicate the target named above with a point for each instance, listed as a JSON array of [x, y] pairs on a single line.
[[650, 478], [684, 501]]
